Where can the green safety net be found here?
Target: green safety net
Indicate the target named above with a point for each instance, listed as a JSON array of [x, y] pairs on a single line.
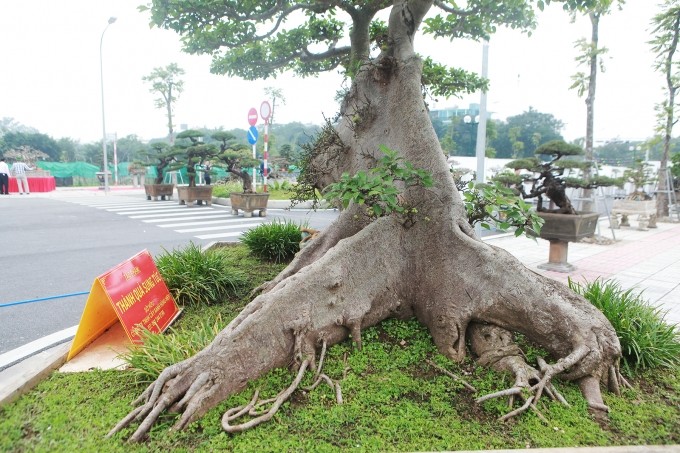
[[69, 173]]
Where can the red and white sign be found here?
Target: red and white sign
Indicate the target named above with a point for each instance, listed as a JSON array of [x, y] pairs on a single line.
[[252, 116], [265, 111]]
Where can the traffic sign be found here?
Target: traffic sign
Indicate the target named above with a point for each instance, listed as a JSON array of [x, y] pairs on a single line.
[[252, 135], [252, 116], [265, 111]]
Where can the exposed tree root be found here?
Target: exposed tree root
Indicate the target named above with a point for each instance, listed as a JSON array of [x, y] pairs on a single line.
[[251, 408], [451, 375]]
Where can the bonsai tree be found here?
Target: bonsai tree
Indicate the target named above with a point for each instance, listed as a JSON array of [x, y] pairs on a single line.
[[363, 268], [191, 153], [639, 175], [163, 155], [548, 177], [235, 157]]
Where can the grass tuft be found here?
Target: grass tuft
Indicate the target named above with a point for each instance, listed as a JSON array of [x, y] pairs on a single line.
[[275, 241], [647, 341], [195, 276]]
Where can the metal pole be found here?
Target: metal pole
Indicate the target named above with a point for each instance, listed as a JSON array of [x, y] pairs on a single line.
[[266, 154], [481, 127], [115, 159], [101, 74], [254, 183]]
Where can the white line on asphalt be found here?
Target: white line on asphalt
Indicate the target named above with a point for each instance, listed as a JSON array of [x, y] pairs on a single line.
[[208, 222], [220, 227], [28, 349], [183, 213], [218, 215], [142, 208], [136, 214], [218, 235]]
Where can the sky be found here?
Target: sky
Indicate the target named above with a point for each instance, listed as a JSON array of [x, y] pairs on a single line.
[[50, 74]]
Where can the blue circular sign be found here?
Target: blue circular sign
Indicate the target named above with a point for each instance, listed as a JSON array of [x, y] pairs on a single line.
[[252, 135]]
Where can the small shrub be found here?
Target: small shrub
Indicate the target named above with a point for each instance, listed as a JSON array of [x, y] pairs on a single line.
[[194, 276], [646, 339], [275, 241]]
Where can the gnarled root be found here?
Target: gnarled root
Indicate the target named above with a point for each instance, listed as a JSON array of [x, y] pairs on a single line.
[[262, 416], [495, 348], [177, 388]]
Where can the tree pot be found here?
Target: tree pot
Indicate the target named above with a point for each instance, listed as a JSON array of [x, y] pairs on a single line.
[[248, 202], [189, 195], [560, 229], [159, 190]]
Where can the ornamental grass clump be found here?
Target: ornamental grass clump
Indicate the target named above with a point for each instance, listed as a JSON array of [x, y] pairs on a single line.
[[194, 276], [275, 241], [647, 340]]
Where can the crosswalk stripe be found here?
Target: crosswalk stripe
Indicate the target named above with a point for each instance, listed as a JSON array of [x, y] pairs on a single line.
[[180, 213], [219, 235], [172, 219], [182, 219], [209, 222], [220, 227]]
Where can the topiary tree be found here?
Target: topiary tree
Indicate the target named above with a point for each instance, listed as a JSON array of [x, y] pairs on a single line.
[[191, 153], [235, 157], [369, 266], [547, 177], [640, 174], [162, 154]]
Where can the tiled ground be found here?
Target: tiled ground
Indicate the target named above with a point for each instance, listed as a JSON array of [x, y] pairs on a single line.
[[648, 261]]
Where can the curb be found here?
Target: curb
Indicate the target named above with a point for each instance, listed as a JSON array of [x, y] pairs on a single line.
[[20, 379]]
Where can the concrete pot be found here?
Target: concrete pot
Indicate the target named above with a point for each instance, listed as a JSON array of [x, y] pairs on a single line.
[[560, 229], [190, 195], [159, 190], [249, 202]]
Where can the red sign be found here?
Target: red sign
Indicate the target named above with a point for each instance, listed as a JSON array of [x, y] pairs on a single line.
[[139, 296], [133, 292], [252, 116]]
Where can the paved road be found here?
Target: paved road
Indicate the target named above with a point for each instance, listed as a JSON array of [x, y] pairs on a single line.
[[52, 246]]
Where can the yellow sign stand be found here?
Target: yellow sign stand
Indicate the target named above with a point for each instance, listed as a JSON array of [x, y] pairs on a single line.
[[98, 316], [134, 293]]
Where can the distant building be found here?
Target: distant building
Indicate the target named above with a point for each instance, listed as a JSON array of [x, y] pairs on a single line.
[[446, 115]]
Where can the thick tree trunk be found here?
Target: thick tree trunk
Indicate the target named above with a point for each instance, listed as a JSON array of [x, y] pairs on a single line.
[[358, 273]]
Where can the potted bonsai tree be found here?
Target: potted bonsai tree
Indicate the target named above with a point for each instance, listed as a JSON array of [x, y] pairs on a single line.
[[236, 157], [562, 223], [191, 153], [163, 155], [638, 202]]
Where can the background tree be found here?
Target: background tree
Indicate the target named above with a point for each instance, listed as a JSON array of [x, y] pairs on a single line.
[[591, 57], [167, 84], [666, 33], [34, 140], [370, 265], [520, 135]]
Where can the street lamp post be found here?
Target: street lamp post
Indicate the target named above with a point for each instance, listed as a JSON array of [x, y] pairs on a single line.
[[101, 74], [473, 122]]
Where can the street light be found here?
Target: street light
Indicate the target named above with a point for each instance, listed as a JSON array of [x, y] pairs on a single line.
[[472, 122], [101, 74]]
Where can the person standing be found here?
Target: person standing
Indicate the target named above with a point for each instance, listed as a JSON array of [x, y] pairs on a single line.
[[206, 173], [19, 169], [4, 177]]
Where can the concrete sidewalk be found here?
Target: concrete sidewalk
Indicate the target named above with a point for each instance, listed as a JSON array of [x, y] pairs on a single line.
[[648, 260]]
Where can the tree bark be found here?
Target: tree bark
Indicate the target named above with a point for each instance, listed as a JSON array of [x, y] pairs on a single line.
[[359, 272]]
